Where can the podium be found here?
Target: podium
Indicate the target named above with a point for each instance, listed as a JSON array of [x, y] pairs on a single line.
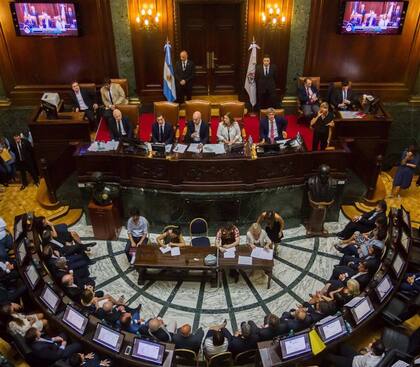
[[105, 220]]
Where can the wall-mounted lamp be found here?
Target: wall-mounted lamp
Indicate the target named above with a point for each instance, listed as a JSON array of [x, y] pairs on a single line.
[[148, 18], [274, 16]]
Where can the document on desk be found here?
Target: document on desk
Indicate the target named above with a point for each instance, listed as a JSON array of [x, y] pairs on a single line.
[[164, 250], [400, 363], [245, 260], [262, 253], [175, 251], [351, 114], [230, 253], [168, 148], [180, 148], [214, 148], [194, 148]]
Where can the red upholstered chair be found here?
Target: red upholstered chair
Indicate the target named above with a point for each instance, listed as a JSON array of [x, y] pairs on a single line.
[[132, 112], [170, 112]]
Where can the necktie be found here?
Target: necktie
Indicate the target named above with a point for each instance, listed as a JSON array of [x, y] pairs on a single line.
[[266, 70], [183, 65], [110, 97], [272, 132], [20, 151], [228, 129], [345, 94], [161, 134], [119, 127]]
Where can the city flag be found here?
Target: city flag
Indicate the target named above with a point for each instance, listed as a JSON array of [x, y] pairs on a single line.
[[250, 85]]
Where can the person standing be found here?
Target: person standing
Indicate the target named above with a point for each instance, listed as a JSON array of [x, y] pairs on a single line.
[[409, 161], [266, 75], [322, 125], [25, 161], [184, 76]]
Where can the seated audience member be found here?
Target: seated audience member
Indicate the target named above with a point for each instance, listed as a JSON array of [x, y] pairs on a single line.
[[411, 284], [119, 126], [50, 349], [341, 294], [216, 340], [137, 231], [295, 319], [228, 237], [84, 101], [110, 313], [348, 357], [273, 326], [308, 96], [12, 288], [364, 223], [162, 131], [185, 339], [243, 340], [19, 323], [6, 241], [197, 130], [91, 303], [372, 259], [274, 225], [410, 159], [74, 290], [320, 309], [171, 236], [272, 128], [344, 273], [8, 161], [228, 131], [87, 360], [112, 95], [156, 329], [130, 320], [342, 98], [322, 125], [257, 237]]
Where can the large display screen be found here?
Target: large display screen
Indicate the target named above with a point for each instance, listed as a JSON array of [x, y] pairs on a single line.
[[372, 17], [46, 19]]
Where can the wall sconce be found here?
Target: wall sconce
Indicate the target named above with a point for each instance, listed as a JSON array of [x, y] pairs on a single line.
[[147, 16], [273, 17]]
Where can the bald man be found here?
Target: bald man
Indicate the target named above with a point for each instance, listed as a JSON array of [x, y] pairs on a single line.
[[197, 130], [119, 126], [184, 75], [184, 339]]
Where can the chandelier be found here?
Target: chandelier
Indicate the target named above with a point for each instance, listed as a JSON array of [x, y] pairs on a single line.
[[273, 17], [148, 17]]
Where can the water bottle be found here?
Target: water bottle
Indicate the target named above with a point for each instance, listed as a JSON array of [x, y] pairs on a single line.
[[250, 141], [291, 333], [348, 326]]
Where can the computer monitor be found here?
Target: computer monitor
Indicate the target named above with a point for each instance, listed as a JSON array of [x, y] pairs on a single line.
[[384, 287], [295, 346], [75, 319], [158, 147], [21, 250], [362, 310], [269, 148], [148, 351], [405, 240], [332, 329], [398, 265], [405, 215], [32, 275], [50, 298], [108, 337], [18, 228]]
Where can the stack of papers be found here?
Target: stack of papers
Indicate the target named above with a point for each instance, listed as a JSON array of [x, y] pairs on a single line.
[[168, 148], [164, 250], [175, 251], [180, 148], [214, 148], [230, 253], [100, 146], [245, 260], [262, 253], [194, 148]]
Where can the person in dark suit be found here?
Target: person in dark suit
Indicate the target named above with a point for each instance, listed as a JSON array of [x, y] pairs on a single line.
[[25, 160], [184, 339], [296, 319], [322, 124], [119, 126], [184, 75], [156, 329], [87, 360], [320, 310], [272, 127], [197, 130], [84, 101], [308, 96], [243, 340], [50, 349], [162, 132], [344, 273], [265, 76], [343, 97], [364, 223], [273, 327]]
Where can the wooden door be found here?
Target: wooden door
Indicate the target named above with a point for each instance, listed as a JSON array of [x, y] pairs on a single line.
[[211, 35]]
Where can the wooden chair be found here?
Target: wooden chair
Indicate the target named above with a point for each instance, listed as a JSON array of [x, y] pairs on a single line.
[[133, 114], [333, 87], [220, 360], [90, 87], [185, 357], [123, 83], [237, 110], [199, 232], [197, 105], [316, 82], [170, 112], [248, 357]]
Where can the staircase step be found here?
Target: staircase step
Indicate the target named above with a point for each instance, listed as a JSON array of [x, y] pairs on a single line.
[[71, 217], [362, 207], [43, 198]]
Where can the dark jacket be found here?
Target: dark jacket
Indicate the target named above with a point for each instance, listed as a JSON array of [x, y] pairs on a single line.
[[204, 132], [88, 97], [268, 333], [113, 129], [26, 151], [337, 96], [187, 75], [304, 97], [168, 133], [281, 124], [266, 83], [238, 344], [191, 342]]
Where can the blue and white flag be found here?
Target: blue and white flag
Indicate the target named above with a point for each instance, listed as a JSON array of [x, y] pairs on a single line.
[[169, 90]]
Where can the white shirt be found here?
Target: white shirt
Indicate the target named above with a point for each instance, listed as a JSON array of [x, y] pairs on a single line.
[[138, 229], [229, 133], [272, 125], [3, 227], [366, 360], [261, 241], [197, 130], [82, 103], [121, 128]]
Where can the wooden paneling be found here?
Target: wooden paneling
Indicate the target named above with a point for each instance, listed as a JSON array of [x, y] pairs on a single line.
[[148, 46], [31, 65], [381, 64]]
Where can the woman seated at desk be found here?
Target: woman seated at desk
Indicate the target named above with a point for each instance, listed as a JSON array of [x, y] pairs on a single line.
[[171, 236], [228, 237], [257, 237], [228, 131]]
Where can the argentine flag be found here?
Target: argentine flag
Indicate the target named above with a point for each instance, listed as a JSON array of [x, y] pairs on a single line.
[[169, 90]]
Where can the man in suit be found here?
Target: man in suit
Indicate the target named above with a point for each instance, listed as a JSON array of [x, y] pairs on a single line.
[[119, 126], [272, 127], [197, 130], [184, 339], [162, 132], [296, 319], [265, 76], [342, 98], [364, 223], [25, 161], [50, 349], [112, 95], [184, 75], [362, 274], [273, 327], [74, 291], [84, 101], [243, 340], [157, 329], [308, 97]]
